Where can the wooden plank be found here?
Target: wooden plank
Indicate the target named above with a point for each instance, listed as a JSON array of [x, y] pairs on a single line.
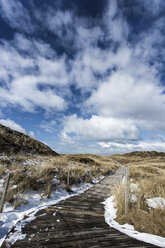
[[126, 189], [4, 193]]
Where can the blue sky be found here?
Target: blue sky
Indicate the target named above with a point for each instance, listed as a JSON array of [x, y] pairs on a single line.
[[84, 76]]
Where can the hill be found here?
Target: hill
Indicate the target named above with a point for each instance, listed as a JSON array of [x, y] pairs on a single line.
[[139, 156], [13, 142]]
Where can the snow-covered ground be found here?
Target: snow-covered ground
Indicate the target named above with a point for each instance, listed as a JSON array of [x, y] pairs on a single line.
[[110, 215], [156, 202], [11, 217]]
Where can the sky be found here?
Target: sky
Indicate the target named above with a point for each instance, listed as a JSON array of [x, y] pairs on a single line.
[[84, 76]]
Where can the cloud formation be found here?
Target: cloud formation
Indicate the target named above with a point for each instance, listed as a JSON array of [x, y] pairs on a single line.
[[13, 11], [149, 145], [49, 127], [22, 76], [101, 128], [99, 79], [125, 96]]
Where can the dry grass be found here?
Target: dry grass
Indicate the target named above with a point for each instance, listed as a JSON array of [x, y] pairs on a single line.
[[148, 172], [2, 171], [18, 202], [46, 173], [149, 221], [118, 192]]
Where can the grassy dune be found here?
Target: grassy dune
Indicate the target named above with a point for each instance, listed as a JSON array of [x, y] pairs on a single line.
[[13, 142], [46, 173], [147, 171]]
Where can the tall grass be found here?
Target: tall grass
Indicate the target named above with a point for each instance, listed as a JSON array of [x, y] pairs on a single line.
[[149, 175], [47, 173]]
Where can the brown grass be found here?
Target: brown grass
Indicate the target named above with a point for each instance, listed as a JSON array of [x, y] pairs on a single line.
[[148, 172], [118, 192], [149, 221], [40, 172], [2, 171]]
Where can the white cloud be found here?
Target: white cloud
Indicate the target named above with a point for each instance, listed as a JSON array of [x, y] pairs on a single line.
[[13, 125], [148, 145], [17, 16], [24, 91], [54, 71], [57, 20], [23, 75], [100, 128], [48, 126], [125, 96], [117, 27], [154, 6], [32, 47]]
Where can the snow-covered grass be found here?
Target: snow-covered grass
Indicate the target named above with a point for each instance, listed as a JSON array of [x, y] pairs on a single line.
[[110, 216], [39, 172], [26, 212]]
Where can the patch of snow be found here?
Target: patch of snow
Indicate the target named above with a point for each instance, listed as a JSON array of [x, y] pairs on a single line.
[[123, 180], [55, 180], [156, 202], [3, 157], [133, 198], [110, 215], [30, 162], [14, 186], [16, 217], [134, 187], [1, 183], [96, 180], [7, 207]]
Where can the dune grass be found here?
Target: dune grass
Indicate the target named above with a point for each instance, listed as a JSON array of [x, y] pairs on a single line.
[[148, 174], [47, 173]]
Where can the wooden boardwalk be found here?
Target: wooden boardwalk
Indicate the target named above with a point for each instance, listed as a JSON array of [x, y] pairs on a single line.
[[77, 222]]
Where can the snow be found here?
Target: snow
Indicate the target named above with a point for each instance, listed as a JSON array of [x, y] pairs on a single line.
[[156, 202], [134, 187], [1, 183], [16, 217], [134, 198], [96, 180], [110, 215]]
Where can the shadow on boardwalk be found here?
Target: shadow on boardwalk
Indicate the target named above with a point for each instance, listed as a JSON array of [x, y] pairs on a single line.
[[77, 222]]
